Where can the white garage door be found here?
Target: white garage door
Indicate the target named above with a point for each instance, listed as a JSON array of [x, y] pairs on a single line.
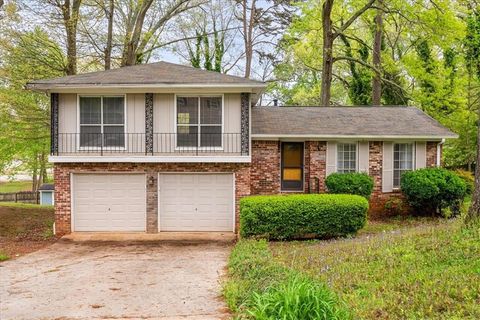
[[109, 202], [196, 202]]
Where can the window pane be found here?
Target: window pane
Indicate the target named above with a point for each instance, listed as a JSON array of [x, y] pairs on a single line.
[[292, 155], [211, 110], [113, 109], [292, 174], [187, 136], [90, 110], [187, 110], [113, 136], [211, 136], [402, 161], [346, 157], [90, 136]]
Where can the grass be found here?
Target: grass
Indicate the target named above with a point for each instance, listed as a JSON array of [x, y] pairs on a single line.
[[259, 288], [24, 228], [22, 205], [15, 186], [426, 270]]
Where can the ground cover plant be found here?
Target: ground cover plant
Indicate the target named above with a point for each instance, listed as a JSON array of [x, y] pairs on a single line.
[[429, 270], [260, 288], [297, 216], [24, 228]]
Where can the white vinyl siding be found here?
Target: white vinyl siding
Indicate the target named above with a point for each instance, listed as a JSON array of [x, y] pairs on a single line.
[[387, 167], [331, 157], [363, 156]]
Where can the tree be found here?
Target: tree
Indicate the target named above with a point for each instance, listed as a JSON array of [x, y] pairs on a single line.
[[472, 44], [377, 56], [24, 115], [330, 34]]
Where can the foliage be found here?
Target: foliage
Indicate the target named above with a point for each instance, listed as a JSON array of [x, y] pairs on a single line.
[[294, 216], [468, 178], [259, 288], [424, 272], [395, 206], [3, 256], [432, 189], [350, 183]]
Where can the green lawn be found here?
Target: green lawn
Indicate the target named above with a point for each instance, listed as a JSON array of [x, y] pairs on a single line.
[[402, 268], [428, 271], [15, 186]]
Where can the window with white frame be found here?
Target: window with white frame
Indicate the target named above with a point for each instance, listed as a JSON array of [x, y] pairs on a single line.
[[199, 121], [102, 121], [346, 157], [402, 161]]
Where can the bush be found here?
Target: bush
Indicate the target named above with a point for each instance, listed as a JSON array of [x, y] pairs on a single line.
[[350, 183], [295, 216], [433, 189], [468, 178]]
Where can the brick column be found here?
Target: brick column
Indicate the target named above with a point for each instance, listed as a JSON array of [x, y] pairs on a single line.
[[148, 123], [315, 166], [245, 123], [54, 123], [152, 202], [431, 154], [375, 164]]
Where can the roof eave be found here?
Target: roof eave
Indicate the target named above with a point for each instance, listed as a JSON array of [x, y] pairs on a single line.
[[358, 137], [45, 87]]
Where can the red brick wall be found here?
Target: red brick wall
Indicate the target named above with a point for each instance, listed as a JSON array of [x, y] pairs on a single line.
[[432, 154], [375, 164], [62, 172], [315, 166], [265, 167]]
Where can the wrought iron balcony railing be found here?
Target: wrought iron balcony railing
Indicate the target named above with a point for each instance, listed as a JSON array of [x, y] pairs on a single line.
[[161, 144]]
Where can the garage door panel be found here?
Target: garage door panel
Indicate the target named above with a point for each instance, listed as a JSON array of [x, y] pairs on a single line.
[[109, 202], [196, 202]]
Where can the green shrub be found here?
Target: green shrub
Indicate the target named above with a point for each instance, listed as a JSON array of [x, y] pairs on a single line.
[[350, 183], [295, 216], [298, 298], [433, 189], [469, 179]]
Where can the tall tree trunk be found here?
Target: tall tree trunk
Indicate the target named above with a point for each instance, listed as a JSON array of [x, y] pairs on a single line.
[[129, 56], [71, 13], [327, 65], [377, 57], [248, 26], [108, 47], [473, 214]]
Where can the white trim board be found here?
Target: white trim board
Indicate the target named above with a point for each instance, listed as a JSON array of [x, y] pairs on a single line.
[[150, 159]]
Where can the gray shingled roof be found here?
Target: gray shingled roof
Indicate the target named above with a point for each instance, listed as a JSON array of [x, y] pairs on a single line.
[[159, 73], [386, 121]]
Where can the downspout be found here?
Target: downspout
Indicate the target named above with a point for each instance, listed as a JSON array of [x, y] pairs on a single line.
[[439, 153]]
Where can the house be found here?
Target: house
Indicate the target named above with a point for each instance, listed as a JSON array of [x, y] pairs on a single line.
[[164, 147], [47, 194]]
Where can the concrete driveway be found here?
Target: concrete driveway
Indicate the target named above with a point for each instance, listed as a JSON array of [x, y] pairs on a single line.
[[147, 280]]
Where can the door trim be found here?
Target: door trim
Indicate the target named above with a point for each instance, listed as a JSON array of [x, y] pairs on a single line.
[[72, 193], [204, 173]]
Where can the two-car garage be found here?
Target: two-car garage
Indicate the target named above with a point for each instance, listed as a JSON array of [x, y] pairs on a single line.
[[186, 202]]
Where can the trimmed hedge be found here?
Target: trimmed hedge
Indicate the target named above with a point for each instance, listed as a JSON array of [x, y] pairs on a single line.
[[282, 217], [432, 189], [350, 183]]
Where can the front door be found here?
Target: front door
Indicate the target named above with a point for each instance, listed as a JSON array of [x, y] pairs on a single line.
[[292, 166]]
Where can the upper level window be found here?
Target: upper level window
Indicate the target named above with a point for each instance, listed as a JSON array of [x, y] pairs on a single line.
[[199, 121], [102, 121], [346, 157], [402, 161]]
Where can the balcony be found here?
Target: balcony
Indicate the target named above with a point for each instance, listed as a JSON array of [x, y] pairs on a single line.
[[161, 145]]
